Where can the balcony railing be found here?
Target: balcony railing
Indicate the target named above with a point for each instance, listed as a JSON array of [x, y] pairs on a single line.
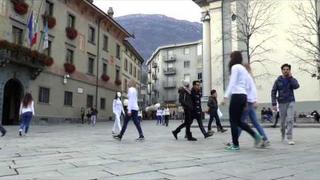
[[169, 71], [169, 84], [154, 64], [169, 58]]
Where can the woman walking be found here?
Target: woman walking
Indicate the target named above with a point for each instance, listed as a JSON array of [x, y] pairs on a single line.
[[237, 90], [213, 112], [26, 113], [117, 109]]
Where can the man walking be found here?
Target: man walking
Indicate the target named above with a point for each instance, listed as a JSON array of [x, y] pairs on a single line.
[[185, 100], [133, 109], [197, 110], [284, 86]]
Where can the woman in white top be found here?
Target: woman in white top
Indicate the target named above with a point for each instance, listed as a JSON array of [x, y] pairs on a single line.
[[26, 113], [159, 116], [167, 115], [237, 90], [117, 109]]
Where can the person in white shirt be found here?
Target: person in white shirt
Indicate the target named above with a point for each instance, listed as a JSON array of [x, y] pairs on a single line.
[[167, 115], [26, 113], [237, 90], [117, 109], [133, 109], [159, 115]]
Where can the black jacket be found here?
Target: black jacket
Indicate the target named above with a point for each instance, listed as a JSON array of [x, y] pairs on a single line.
[[212, 104], [185, 99], [196, 99]]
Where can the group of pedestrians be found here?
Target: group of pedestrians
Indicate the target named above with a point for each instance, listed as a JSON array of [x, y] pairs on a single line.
[[163, 115]]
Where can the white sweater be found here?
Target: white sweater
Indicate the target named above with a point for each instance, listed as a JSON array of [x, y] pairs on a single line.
[[132, 99], [29, 108], [251, 90], [238, 81], [117, 106]]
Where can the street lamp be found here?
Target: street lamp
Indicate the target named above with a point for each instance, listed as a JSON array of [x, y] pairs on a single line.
[[206, 16], [233, 17]]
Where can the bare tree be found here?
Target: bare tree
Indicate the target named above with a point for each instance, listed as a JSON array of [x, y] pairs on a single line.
[[254, 22], [306, 37]]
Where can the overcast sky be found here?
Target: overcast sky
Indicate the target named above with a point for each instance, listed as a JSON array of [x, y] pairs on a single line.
[[178, 9]]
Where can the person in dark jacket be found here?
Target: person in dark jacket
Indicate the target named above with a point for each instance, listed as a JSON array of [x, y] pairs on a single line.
[[284, 87], [213, 112], [197, 110], [185, 100]]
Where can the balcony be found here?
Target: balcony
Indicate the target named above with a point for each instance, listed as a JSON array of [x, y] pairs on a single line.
[[169, 58], [169, 84], [169, 71], [22, 56], [154, 77], [154, 64]]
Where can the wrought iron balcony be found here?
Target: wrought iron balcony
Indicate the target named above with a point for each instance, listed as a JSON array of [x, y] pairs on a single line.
[[169, 71], [169, 58]]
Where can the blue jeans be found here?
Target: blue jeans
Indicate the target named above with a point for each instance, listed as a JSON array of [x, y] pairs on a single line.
[[251, 113], [134, 117], [25, 121]]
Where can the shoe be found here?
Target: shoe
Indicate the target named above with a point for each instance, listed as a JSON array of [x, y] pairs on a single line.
[[3, 133], [257, 141], [118, 137], [192, 139], [20, 132], [207, 135], [265, 143], [232, 148], [211, 132], [291, 142], [228, 144], [141, 138], [222, 130], [175, 134]]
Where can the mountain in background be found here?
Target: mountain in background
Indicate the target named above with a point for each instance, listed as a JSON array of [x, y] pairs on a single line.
[[152, 31]]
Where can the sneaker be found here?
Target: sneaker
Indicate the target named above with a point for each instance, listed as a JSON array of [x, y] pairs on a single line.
[[232, 148], [207, 135], [118, 137], [222, 130], [175, 134], [140, 138], [20, 132], [3, 133], [211, 132], [265, 143], [291, 142], [192, 139], [257, 140]]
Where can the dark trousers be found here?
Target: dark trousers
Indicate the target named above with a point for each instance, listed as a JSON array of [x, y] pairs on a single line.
[[166, 117], [187, 123], [134, 117], [238, 103], [216, 117], [198, 117], [82, 118], [25, 121], [277, 118], [2, 129]]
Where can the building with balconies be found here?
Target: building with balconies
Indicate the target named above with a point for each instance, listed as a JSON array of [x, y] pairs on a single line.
[[168, 66], [77, 65]]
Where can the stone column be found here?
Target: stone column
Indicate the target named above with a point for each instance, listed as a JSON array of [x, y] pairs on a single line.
[[206, 49]]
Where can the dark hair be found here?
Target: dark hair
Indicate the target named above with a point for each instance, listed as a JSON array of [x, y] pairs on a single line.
[[27, 99], [116, 96], [235, 58], [286, 65], [213, 91], [195, 82]]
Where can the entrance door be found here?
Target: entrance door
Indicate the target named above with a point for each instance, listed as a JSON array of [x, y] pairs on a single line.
[[13, 92]]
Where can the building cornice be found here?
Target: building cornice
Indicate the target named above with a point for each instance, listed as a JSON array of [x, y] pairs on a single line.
[[203, 3], [133, 50]]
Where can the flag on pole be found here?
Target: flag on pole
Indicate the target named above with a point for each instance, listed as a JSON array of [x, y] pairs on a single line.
[[32, 27], [46, 36]]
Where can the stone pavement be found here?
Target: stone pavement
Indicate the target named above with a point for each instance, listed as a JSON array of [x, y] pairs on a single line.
[[75, 151]]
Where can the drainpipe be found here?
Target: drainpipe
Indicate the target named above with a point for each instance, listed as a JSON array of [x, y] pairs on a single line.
[[98, 60]]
